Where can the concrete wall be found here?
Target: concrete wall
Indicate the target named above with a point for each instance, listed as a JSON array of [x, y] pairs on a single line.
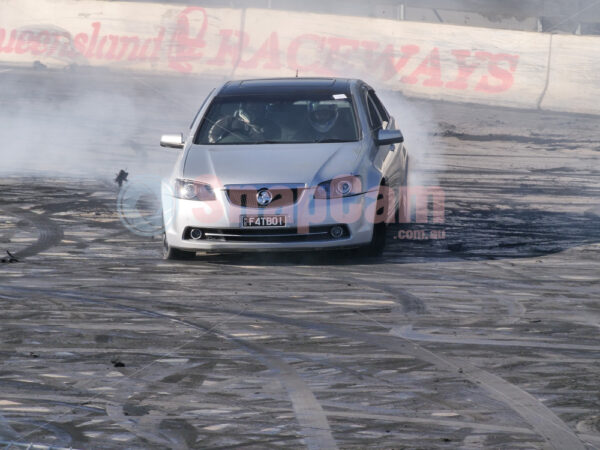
[[438, 61], [526, 15], [574, 76]]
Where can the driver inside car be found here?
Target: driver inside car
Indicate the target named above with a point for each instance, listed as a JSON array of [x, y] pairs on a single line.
[[322, 118], [248, 121]]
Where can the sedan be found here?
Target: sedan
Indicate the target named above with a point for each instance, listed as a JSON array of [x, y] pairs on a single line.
[[285, 164]]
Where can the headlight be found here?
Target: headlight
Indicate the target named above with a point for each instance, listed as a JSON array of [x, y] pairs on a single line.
[[193, 190], [339, 187]]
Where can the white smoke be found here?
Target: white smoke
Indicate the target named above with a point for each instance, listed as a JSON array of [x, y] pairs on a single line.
[[416, 120], [89, 125]]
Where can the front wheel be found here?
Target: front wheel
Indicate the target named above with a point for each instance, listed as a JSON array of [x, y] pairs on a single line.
[[377, 244], [403, 212], [172, 253]]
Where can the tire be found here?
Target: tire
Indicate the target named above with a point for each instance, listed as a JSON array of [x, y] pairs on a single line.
[[171, 253], [377, 245], [403, 212]]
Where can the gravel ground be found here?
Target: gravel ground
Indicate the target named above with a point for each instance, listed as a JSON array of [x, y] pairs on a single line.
[[484, 338]]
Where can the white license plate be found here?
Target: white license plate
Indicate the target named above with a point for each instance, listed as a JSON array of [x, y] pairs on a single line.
[[263, 221]]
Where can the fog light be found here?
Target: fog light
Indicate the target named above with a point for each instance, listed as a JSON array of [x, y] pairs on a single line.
[[196, 234], [336, 232]]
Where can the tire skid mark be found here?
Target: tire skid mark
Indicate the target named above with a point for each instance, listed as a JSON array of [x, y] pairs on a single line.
[[58, 403], [541, 418], [63, 437], [30, 446], [256, 443], [515, 309], [450, 423], [361, 376], [6, 430], [591, 439], [586, 320], [85, 243], [528, 279], [411, 304], [309, 413], [406, 332], [117, 414], [50, 234]]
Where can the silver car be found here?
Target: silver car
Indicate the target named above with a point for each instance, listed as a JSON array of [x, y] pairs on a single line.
[[285, 164]]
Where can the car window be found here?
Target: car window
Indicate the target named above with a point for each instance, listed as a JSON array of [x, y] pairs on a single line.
[[374, 119], [273, 119], [385, 117]]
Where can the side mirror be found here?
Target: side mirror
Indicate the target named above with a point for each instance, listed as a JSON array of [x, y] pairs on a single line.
[[172, 140], [389, 137]]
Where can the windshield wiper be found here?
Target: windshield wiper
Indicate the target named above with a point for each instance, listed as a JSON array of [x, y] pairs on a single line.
[[266, 141], [322, 141], [329, 140], [279, 142]]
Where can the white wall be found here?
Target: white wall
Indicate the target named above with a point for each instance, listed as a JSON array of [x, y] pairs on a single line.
[[447, 62], [574, 83]]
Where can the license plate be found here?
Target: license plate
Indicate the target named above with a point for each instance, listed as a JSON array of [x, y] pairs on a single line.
[[263, 221]]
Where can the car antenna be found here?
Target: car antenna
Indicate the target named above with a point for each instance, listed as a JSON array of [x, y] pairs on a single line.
[[296, 73]]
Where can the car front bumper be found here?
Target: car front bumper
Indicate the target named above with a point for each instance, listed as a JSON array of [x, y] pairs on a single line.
[[308, 222]]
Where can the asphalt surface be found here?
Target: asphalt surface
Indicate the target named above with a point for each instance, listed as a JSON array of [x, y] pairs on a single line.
[[485, 338]]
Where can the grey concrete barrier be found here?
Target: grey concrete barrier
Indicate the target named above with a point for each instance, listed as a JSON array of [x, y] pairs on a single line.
[[446, 62], [574, 75]]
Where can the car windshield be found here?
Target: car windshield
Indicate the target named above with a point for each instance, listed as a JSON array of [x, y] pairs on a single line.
[[261, 119]]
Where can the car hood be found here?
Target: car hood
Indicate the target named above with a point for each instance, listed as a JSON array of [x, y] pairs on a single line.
[[272, 163]]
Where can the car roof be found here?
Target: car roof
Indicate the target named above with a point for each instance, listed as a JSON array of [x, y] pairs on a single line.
[[287, 86]]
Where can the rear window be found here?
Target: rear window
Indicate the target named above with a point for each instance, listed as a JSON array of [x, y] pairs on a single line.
[[289, 119]]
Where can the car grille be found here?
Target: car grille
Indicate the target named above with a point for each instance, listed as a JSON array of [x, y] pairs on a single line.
[[320, 233], [246, 197]]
